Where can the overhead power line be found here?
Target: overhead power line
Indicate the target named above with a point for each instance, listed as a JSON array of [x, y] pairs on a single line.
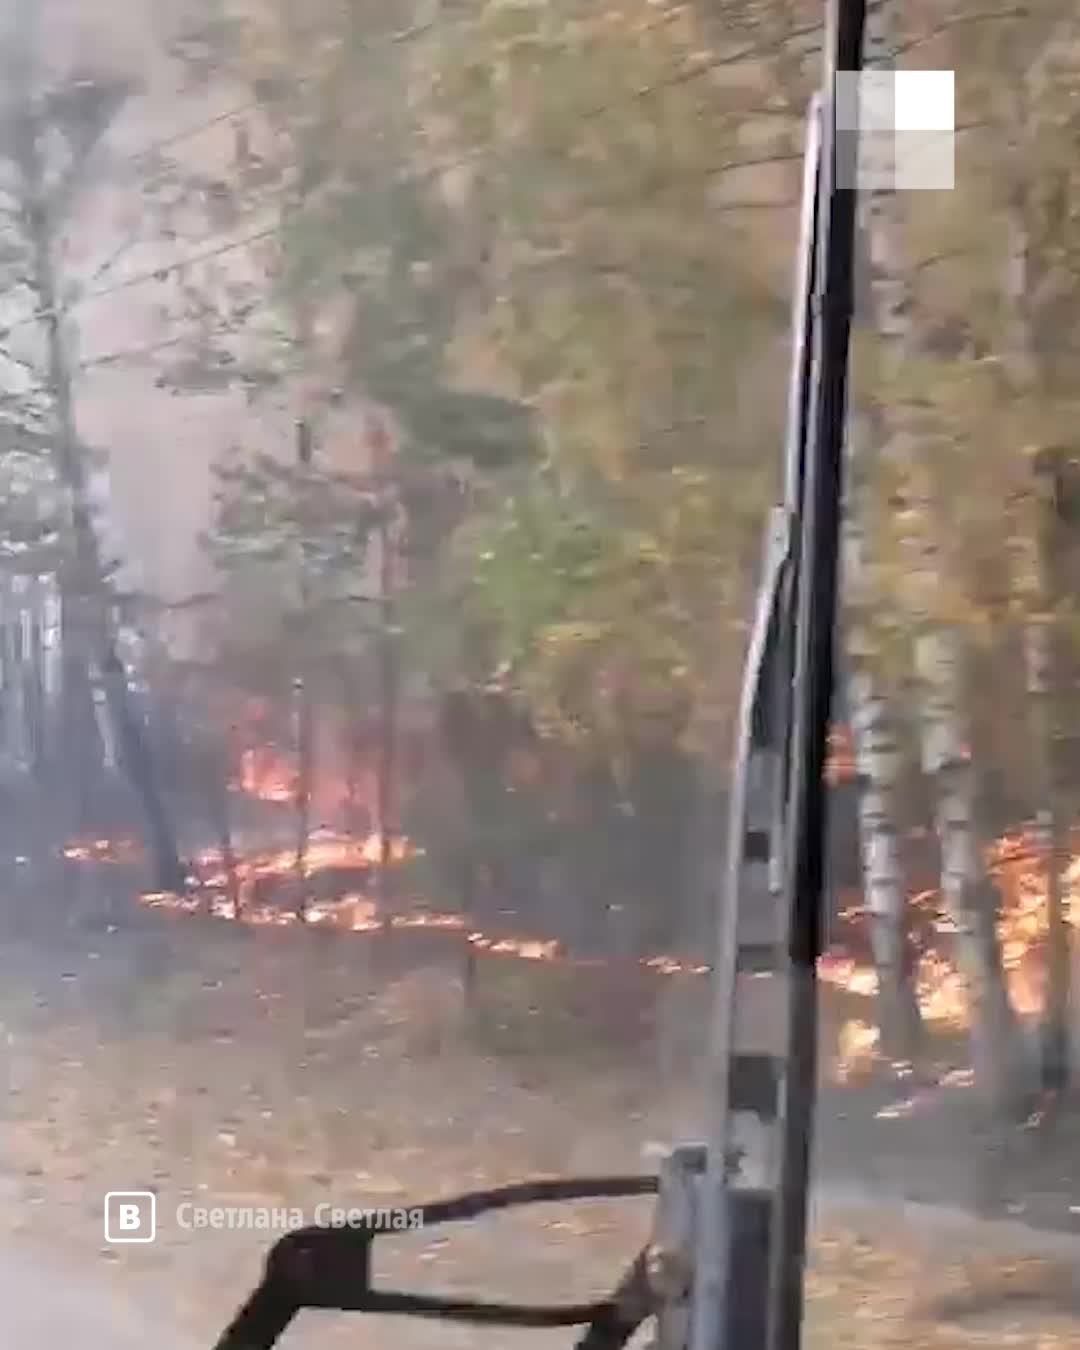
[[693, 70], [230, 114], [147, 152], [250, 104], [142, 278], [123, 354]]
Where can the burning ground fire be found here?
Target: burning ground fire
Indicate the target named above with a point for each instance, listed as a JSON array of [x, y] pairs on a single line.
[[1017, 864], [253, 893], [351, 911], [240, 889], [266, 775]]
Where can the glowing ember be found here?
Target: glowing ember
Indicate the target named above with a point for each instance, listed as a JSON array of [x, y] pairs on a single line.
[[847, 974], [941, 991], [428, 921], [103, 850], [840, 761], [170, 900], [365, 916], [326, 853], [264, 775], [667, 965], [526, 950], [856, 1050]]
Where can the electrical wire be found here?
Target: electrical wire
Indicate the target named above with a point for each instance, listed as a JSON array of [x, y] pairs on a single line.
[[142, 278], [187, 133], [694, 70], [150, 151], [147, 152]]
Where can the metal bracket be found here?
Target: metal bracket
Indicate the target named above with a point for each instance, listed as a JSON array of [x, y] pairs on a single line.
[[671, 1260]]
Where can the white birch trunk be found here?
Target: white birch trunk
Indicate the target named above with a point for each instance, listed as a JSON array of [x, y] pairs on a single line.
[[10, 687], [969, 896], [52, 664], [19, 649], [34, 690], [878, 754], [878, 760]]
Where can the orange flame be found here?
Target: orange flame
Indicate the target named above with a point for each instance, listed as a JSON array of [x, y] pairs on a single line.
[[264, 775], [1017, 861]]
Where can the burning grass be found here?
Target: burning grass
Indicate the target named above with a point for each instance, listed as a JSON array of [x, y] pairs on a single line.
[[1017, 863], [261, 879], [336, 879], [252, 889]]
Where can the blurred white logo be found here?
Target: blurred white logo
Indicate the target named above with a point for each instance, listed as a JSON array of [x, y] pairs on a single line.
[[130, 1216]]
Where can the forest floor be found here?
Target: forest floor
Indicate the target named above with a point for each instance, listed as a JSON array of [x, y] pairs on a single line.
[[228, 1066]]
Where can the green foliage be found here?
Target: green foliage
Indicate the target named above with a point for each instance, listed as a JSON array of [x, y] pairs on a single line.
[[613, 305], [537, 245], [989, 294], [512, 229], [292, 547], [362, 228]]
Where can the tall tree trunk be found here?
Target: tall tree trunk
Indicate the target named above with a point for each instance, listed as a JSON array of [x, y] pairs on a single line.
[[217, 790], [15, 660], [51, 665], [357, 820], [386, 790], [35, 677], [79, 767], [970, 897], [878, 761], [1042, 589], [878, 755], [389, 673], [305, 739], [1043, 669], [90, 636]]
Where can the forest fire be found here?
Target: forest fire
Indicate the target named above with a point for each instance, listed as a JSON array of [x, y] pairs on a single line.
[[357, 914], [339, 882], [338, 874], [332, 859], [1017, 862], [266, 776], [346, 781]]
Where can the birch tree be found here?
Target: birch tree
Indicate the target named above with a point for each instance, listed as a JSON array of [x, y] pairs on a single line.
[[1043, 65], [53, 126], [878, 744], [915, 522]]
